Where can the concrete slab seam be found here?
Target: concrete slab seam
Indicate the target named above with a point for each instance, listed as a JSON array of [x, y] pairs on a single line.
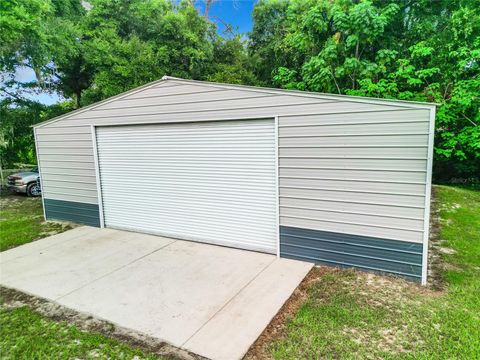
[[117, 269], [229, 301]]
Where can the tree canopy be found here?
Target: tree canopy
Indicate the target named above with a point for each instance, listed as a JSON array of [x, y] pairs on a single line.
[[401, 49], [404, 49]]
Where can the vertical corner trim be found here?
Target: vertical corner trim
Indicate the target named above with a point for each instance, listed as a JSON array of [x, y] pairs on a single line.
[[277, 186], [40, 173], [97, 175], [428, 194]]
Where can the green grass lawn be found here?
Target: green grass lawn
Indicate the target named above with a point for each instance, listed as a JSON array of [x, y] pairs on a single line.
[[349, 315], [21, 221], [25, 334]]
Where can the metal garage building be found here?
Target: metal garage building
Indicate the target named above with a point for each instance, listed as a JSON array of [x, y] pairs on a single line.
[[324, 178]]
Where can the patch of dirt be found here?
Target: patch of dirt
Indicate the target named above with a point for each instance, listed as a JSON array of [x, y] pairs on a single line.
[[388, 339], [6, 200], [56, 227], [11, 299], [446, 250], [387, 292], [394, 296], [436, 264]]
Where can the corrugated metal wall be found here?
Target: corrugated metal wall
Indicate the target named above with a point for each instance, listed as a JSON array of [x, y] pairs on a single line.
[[344, 166], [363, 173]]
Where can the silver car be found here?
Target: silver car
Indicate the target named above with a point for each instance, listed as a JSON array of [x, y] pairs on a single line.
[[27, 182]]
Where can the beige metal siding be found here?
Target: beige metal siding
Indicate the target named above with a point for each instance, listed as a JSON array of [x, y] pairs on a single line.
[[345, 166], [359, 207], [212, 104], [361, 173], [188, 113]]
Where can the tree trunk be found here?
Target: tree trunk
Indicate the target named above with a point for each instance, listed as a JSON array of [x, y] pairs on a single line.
[[78, 98]]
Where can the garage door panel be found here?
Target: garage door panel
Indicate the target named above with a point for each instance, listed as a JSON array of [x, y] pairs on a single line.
[[196, 226], [199, 177], [205, 193], [192, 199], [208, 182], [183, 210]]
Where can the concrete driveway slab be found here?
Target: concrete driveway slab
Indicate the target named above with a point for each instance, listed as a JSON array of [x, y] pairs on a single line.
[[57, 269], [36, 246], [177, 290], [230, 331], [211, 300]]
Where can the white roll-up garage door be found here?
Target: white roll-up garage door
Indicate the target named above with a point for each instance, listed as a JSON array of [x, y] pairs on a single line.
[[211, 182]]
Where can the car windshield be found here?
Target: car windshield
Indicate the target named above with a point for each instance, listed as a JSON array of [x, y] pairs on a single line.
[[35, 169]]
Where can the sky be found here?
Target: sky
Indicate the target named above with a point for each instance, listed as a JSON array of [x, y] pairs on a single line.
[[235, 12], [25, 74]]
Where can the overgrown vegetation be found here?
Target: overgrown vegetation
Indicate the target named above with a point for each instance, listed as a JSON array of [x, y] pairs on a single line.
[[87, 51], [349, 314], [21, 221]]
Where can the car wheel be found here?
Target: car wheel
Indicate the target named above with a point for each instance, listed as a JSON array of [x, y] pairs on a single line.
[[33, 189]]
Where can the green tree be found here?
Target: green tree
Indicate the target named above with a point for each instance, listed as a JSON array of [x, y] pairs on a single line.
[[91, 51], [31, 33], [232, 64], [441, 64], [413, 50], [16, 136], [330, 47], [269, 23], [23, 34], [131, 43]]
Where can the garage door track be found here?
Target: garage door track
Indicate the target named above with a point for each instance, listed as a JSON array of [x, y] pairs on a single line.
[[210, 300]]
